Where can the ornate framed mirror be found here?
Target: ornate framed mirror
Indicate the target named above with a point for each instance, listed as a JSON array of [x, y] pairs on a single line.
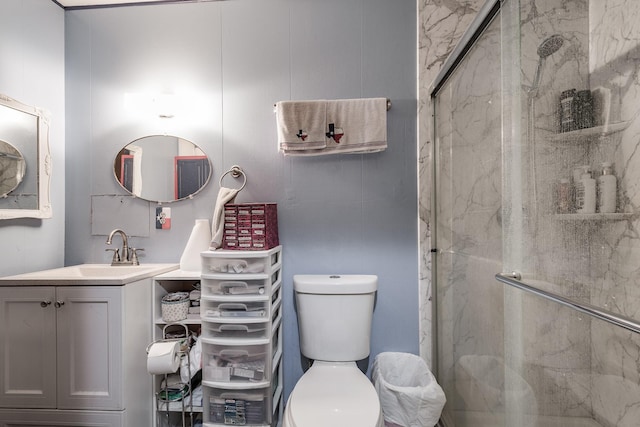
[[25, 161]]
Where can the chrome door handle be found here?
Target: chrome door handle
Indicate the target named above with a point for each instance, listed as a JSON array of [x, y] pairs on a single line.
[[59, 304], [45, 304]]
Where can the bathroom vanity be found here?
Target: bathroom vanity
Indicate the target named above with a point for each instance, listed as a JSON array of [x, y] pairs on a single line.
[[72, 346]]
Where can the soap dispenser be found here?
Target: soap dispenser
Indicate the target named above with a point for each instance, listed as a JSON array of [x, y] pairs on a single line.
[[607, 189]]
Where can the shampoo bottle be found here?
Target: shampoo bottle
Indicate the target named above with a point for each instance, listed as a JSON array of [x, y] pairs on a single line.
[[578, 171], [607, 190], [586, 194], [563, 196]]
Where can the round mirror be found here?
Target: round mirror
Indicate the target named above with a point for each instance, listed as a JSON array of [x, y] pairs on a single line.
[[162, 168], [12, 168]]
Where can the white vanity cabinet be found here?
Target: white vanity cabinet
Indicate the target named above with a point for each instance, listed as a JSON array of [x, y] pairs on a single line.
[[75, 355], [241, 313]]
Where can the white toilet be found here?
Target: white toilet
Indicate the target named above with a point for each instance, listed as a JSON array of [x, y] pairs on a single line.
[[334, 321]]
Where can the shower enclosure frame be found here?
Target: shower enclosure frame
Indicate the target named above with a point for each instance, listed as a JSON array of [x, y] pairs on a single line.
[[512, 255]]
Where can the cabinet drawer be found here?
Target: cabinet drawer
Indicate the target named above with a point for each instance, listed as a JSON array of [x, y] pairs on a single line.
[[241, 286], [235, 407], [236, 363], [220, 309]]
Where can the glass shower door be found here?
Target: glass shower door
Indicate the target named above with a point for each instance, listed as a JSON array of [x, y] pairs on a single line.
[[570, 284], [468, 228], [553, 341]]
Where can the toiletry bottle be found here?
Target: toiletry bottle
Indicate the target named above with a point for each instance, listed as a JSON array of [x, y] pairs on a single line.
[[607, 190], [567, 110], [577, 173], [583, 111], [586, 194], [563, 196]]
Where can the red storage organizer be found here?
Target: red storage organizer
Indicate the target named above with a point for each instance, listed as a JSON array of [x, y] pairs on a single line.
[[250, 226]]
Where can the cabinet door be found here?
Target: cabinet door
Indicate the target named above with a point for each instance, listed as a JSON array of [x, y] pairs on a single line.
[[27, 347], [89, 330]]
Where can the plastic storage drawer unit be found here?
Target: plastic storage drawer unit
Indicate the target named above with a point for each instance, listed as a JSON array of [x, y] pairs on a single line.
[[241, 318]]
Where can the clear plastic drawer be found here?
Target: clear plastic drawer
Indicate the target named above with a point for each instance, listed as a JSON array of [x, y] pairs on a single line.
[[236, 363], [232, 286], [239, 407], [244, 330], [233, 266], [240, 262], [225, 309]]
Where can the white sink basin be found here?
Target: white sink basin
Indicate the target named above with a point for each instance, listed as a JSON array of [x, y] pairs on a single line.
[[89, 274]]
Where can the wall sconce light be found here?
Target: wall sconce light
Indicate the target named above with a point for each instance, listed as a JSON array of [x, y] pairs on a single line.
[[163, 105]]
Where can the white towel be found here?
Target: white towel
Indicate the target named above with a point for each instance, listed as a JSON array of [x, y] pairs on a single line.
[[225, 195], [353, 126], [359, 125], [301, 125]]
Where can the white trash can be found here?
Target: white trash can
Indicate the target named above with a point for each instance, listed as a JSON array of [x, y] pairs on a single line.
[[408, 391]]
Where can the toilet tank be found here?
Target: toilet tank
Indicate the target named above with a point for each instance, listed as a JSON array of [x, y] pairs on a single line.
[[334, 315]]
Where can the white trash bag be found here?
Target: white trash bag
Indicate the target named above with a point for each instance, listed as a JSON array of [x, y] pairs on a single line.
[[408, 391]]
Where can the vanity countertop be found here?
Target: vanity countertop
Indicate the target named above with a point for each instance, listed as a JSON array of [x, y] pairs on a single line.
[[88, 274]]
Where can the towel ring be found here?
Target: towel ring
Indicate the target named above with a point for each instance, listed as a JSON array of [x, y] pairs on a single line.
[[236, 172]]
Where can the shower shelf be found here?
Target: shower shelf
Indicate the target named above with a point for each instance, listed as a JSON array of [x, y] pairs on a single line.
[[594, 217], [587, 135]]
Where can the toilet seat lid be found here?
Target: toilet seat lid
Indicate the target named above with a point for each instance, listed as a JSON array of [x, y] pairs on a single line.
[[336, 395]]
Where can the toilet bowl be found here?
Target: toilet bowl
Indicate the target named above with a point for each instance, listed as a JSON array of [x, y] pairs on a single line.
[[335, 394], [334, 323]]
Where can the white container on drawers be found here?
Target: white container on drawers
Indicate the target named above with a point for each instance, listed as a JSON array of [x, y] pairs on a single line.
[[241, 337]]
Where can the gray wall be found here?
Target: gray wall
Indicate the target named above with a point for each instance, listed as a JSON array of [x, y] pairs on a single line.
[[32, 72], [337, 214]]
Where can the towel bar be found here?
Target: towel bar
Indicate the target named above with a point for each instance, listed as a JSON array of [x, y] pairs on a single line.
[[388, 105], [609, 317]]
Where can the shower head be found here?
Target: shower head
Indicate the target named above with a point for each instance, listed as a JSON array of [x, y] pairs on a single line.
[[550, 45]]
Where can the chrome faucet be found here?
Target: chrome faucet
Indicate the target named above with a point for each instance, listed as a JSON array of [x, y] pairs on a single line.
[[129, 255]]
